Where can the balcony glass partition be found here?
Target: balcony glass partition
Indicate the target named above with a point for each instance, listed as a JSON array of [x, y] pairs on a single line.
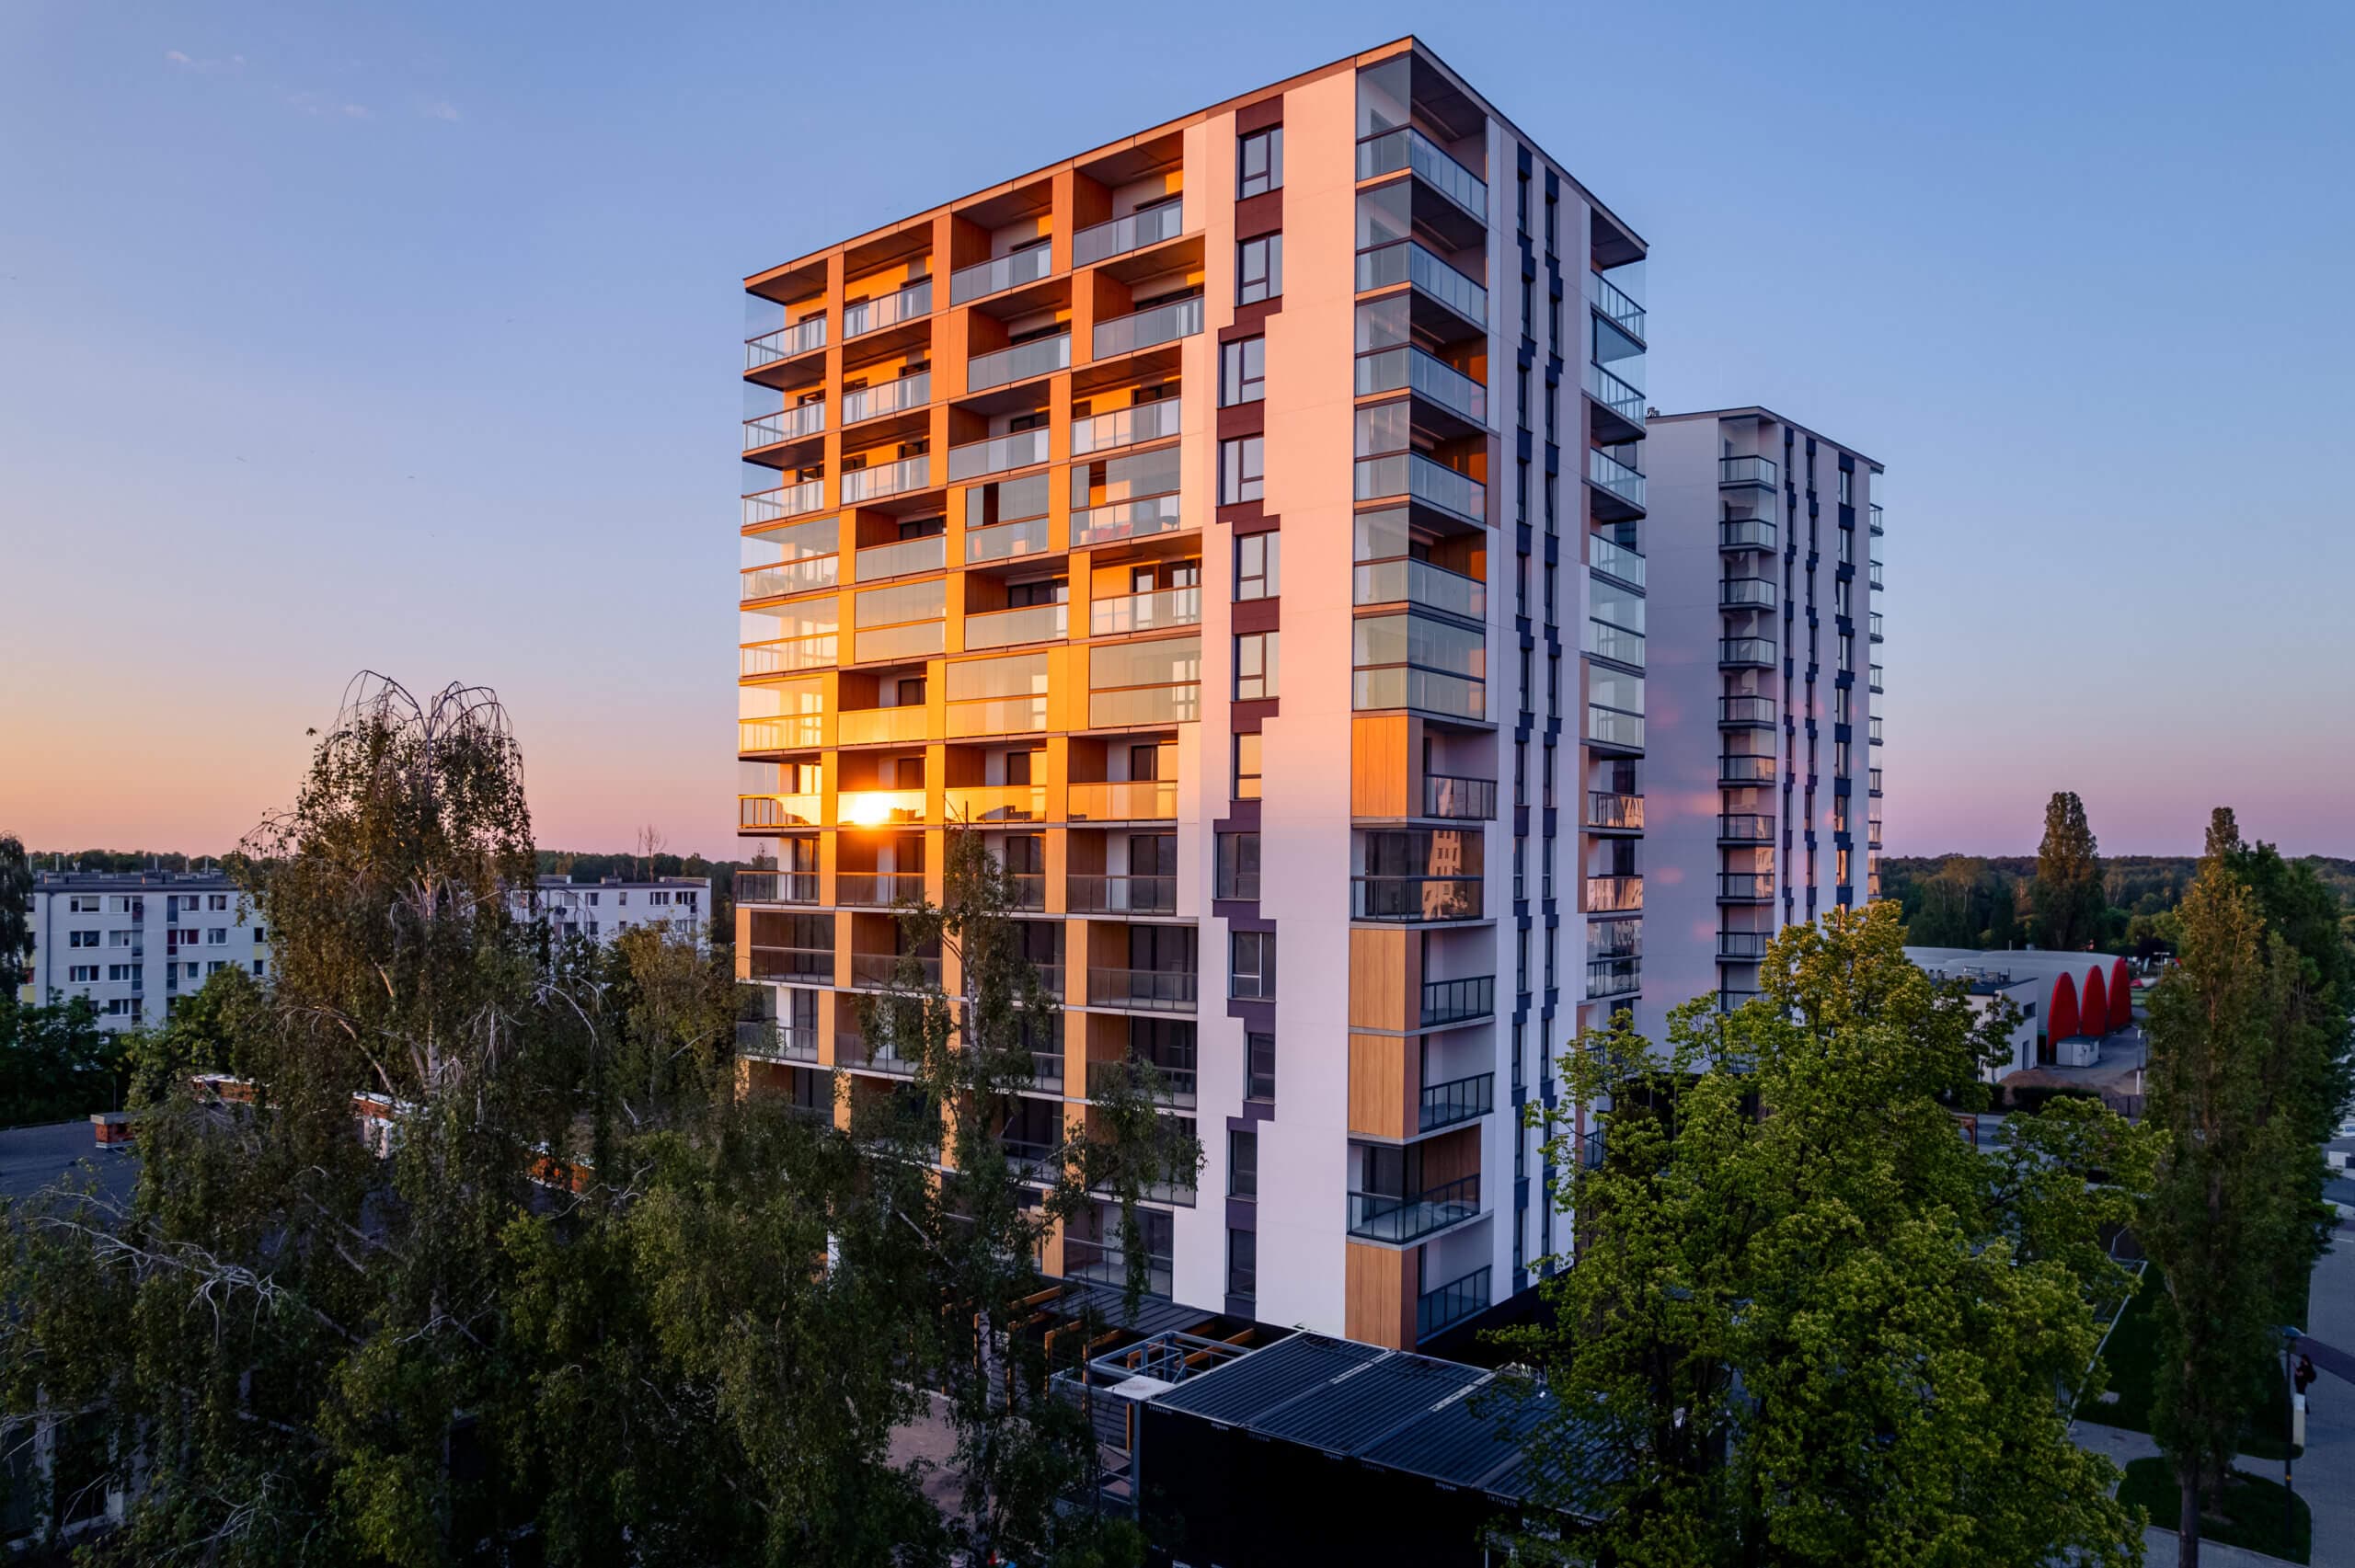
[[1020, 362], [1617, 308], [1126, 426], [906, 557], [862, 316], [1030, 623], [1408, 148], [1614, 560], [1759, 470], [1379, 1217], [1124, 519], [790, 424], [1007, 542], [1147, 226], [1146, 329], [1026, 266], [785, 500], [1389, 369], [1419, 582], [1145, 612], [1022, 449], [1412, 475], [1408, 262], [1618, 478], [887, 397], [785, 343], [887, 479]]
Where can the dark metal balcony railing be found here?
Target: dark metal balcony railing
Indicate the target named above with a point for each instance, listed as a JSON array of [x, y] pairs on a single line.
[[1747, 650], [1459, 799], [1746, 828], [1442, 1309], [1161, 991], [1746, 593], [1459, 1100], [881, 971], [776, 887], [877, 889], [1123, 894], [1742, 947], [1741, 768], [1606, 810], [762, 1037], [1458, 1001], [860, 1054], [1176, 1086], [1381, 1216], [1614, 976], [792, 964], [1415, 897]]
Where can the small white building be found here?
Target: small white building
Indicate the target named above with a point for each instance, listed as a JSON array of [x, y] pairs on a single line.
[[135, 943], [2070, 1001], [602, 910]]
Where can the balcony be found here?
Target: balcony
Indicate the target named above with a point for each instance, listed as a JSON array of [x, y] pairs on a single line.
[[785, 500], [1749, 533], [896, 645], [1456, 1102], [782, 732], [1742, 947], [762, 1040], [1745, 768], [1154, 611], [1458, 799], [881, 808], [996, 803], [1146, 329], [785, 424], [1177, 1086], [1746, 593], [1419, 582], [786, 655], [882, 971], [1150, 226], [1614, 477], [907, 558], [1873, 679], [815, 964], [986, 278], [1447, 1004], [1607, 978], [1611, 813], [1005, 540], [1873, 628], [1123, 894], [1379, 1217], [1614, 894], [1139, 519], [1745, 887], [1609, 726], [1872, 576], [1131, 800], [1758, 471], [1127, 426], [1426, 377], [1752, 711], [1873, 737], [1872, 779], [1130, 707], [1415, 900], [1030, 623], [1412, 475], [887, 479], [1622, 312], [1616, 396], [757, 812], [1023, 449], [902, 725], [1408, 262], [1875, 513], [863, 402], [1020, 362], [1408, 148], [785, 343], [1458, 1301], [1151, 990], [1737, 828], [776, 887], [856, 1054], [877, 889], [873, 316], [1614, 560], [1747, 652], [791, 577], [997, 715]]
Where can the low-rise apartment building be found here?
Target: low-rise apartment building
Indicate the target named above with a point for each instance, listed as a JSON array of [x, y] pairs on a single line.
[[601, 910], [136, 942]]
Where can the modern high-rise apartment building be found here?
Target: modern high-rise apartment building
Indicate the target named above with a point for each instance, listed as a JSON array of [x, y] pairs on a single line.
[[1765, 777], [1240, 523]]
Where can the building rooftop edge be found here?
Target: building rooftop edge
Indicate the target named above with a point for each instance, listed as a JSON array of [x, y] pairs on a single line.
[[1760, 410]]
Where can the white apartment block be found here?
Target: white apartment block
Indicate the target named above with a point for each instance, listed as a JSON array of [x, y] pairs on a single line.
[[1764, 808], [677, 906], [135, 943]]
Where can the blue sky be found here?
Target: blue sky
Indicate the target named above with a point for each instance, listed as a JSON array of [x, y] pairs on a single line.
[[408, 339]]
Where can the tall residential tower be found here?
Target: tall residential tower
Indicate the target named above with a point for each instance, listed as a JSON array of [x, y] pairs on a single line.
[[1240, 523]]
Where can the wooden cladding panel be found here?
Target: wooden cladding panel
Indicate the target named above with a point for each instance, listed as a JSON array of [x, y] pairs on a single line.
[[1378, 765], [1384, 969], [1451, 1156], [1381, 1285], [1382, 1068]]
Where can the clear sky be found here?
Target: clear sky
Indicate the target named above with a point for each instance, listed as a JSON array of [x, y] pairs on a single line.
[[407, 337]]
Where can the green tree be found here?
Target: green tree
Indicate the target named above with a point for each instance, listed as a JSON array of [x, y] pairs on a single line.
[[56, 1062], [15, 914], [2067, 894], [1817, 1324]]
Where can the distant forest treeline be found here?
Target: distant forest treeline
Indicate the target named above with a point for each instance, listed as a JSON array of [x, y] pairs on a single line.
[[1956, 900]]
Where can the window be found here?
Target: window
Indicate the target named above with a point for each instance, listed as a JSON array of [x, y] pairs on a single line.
[[1242, 1163], [1242, 1262], [81, 939], [1242, 372], [1255, 667], [217, 901], [80, 905], [217, 937], [1238, 865], [215, 966], [1258, 1067], [1260, 269], [261, 967], [1242, 466], [82, 974], [1251, 969], [1846, 495], [1247, 766], [1262, 167], [1257, 561]]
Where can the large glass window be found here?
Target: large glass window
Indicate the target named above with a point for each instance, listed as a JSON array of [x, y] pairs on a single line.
[[1255, 667], [1260, 269], [1242, 1163], [1238, 867], [1242, 372], [1261, 163], [1242, 475], [1258, 1067], [1251, 965], [1257, 566], [1247, 766]]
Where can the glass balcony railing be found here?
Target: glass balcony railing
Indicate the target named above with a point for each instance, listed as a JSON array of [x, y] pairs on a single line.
[[1457, 799], [1380, 1216], [887, 397], [1029, 623], [781, 811], [1158, 990], [1746, 710], [1616, 477], [793, 732], [1020, 362], [785, 500], [878, 889], [1426, 691], [882, 971], [1174, 1080], [1875, 512], [1746, 887], [1123, 894], [1743, 768], [1419, 582], [1613, 895], [1180, 703], [1615, 395], [1742, 947], [1126, 426], [876, 727], [1745, 827], [1614, 976], [1152, 611], [1023, 449], [1408, 148], [1872, 781], [784, 655], [1872, 574], [1133, 800], [776, 887], [1609, 726], [788, 578], [1449, 1002], [904, 557], [1150, 226], [1873, 679], [1456, 1102], [874, 807], [764, 1039], [1873, 628], [785, 343], [863, 317], [1606, 810], [986, 278], [915, 639], [1614, 302], [1458, 1301], [997, 803], [1135, 519], [1759, 470], [1749, 533], [1415, 899], [997, 715], [1758, 651], [1006, 541], [1412, 475], [1746, 593], [1614, 560], [787, 425], [887, 479], [792, 964], [1405, 261], [1146, 329], [1607, 641], [1874, 730], [1426, 376]]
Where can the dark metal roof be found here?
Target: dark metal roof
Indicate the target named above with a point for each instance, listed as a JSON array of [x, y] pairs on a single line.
[[1237, 1394], [1372, 1403]]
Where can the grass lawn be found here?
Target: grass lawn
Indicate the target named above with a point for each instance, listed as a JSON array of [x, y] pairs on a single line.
[[2252, 1517], [2132, 1357]]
